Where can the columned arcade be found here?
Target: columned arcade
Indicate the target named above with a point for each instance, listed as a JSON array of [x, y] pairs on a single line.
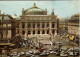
[[38, 28]]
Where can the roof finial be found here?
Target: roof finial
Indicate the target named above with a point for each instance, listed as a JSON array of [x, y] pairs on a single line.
[[34, 5], [52, 12]]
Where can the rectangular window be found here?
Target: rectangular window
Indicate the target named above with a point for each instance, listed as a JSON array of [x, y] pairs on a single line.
[[0, 17], [47, 24], [9, 25], [33, 25], [52, 25], [38, 25], [6, 18], [23, 25], [29, 25]]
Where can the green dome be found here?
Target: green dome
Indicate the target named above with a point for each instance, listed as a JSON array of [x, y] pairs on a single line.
[[34, 9]]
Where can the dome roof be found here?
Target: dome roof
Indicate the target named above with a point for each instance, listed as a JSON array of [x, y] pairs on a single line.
[[34, 10]]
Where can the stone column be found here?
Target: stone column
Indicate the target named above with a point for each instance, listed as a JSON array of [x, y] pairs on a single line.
[[31, 32], [20, 32], [40, 31], [55, 25], [20, 26], [45, 31], [35, 31], [25, 25], [55, 29], [31, 25], [35, 25], [50, 27], [16, 31], [45, 25], [4, 34], [40, 25], [26, 31]]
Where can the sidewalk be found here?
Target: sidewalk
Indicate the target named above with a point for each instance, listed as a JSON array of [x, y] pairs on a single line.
[[65, 42], [3, 55], [72, 42]]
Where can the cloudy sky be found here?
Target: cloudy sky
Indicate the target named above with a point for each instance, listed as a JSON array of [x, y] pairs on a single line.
[[61, 8]]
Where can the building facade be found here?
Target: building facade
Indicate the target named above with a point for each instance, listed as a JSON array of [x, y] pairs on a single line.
[[5, 27], [35, 21], [63, 26], [73, 25]]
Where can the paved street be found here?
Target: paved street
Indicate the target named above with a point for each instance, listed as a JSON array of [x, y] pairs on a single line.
[[64, 42], [25, 50]]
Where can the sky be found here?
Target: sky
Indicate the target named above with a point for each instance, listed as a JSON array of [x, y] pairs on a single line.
[[61, 8]]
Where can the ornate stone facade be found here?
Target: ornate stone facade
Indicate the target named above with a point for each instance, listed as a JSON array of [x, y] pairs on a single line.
[[63, 26], [6, 32], [73, 25], [35, 21]]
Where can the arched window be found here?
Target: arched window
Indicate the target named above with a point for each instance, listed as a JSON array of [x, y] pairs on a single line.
[[47, 31], [52, 31], [18, 31], [34, 32], [33, 25], [29, 25], [23, 25], [38, 32], [23, 32], [43, 32], [47, 24], [38, 25], [29, 32], [52, 25]]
